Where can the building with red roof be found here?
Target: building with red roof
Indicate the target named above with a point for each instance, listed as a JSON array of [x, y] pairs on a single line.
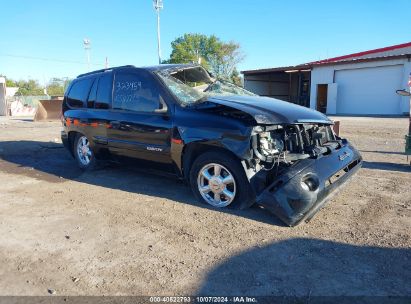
[[362, 83]]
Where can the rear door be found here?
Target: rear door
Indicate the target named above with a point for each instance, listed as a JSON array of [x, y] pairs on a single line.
[[98, 104], [135, 130]]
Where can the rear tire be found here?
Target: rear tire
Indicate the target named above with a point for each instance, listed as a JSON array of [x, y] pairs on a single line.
[[218, 179], [83, 154]]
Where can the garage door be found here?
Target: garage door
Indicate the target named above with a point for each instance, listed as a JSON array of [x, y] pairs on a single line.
[[369, 90]]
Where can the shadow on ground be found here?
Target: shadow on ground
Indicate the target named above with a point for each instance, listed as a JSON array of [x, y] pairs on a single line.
[[383, 152], [405, 167], [311, 267], [51, 162]]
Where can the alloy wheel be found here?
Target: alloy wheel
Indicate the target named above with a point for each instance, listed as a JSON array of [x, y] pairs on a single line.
[[216, 185], [84, 152]]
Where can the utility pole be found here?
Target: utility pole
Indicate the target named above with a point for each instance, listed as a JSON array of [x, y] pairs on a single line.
[[158, 5], [87, 47]]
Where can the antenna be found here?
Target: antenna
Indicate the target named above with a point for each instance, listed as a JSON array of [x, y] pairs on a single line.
[[158, 5]]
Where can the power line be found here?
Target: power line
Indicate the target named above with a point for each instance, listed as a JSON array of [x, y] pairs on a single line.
[[48, 59]]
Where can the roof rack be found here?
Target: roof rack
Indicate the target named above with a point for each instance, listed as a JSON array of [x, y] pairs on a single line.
[[103, 70]]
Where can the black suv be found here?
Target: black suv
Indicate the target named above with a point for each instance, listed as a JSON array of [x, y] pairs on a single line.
[[233, 147]]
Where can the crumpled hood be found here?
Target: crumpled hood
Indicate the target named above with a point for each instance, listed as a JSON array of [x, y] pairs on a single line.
[[267, 110]]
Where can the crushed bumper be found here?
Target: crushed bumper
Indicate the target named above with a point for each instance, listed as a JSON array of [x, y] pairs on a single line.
[[301, 191]]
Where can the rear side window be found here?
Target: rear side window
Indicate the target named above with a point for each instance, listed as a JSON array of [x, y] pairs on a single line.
[[104, 91], [79, 92], [135, 92]]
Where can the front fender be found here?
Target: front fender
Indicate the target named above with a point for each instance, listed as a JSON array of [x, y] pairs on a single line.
[[193, 126], [195, 141], [238, 144]]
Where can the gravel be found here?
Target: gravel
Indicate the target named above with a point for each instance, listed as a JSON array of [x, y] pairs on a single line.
[[132, 233]]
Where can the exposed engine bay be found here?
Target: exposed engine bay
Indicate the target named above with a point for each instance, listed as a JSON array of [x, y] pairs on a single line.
[[277, 148], [285, 144], [295, 167]]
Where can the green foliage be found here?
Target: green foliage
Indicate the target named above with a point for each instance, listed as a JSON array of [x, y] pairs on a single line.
[[55, 89], [56, 86], [29, 87], [236, 78], [9, 82], [220, 57]]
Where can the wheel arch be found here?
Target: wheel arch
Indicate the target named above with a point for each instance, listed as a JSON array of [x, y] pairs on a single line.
[[71, 138], [194, 149]]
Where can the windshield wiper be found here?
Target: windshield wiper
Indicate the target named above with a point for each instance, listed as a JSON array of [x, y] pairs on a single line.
[[211, 84]]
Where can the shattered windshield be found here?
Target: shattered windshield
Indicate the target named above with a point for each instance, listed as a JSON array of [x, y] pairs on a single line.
[[194, 84]]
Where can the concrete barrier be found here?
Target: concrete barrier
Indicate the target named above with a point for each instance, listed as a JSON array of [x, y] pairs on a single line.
[[3, 101]]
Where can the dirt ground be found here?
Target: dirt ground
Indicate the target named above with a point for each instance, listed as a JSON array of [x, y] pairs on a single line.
[[118, 231]]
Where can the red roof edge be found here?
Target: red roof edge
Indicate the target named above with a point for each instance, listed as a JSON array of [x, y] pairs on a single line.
[[384, 49]]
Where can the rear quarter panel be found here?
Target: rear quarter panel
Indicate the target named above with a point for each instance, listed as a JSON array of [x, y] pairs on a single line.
[[92, 123]]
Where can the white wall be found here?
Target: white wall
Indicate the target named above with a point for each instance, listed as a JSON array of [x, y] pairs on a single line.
[[11, 91], [3, 102], [325, 75]]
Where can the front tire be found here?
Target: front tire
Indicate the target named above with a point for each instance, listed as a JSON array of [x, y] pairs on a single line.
[[218, 179], [83, 153]]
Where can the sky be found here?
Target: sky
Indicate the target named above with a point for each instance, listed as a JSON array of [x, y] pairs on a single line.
[[44, 38]]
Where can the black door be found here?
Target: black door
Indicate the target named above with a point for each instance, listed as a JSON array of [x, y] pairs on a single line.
[[136, 130], [98, 104]]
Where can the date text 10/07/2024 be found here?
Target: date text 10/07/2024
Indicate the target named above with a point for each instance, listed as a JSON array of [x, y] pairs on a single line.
[[203, 299]]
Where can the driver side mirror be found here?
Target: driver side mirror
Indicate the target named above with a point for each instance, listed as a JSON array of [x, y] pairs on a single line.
[[403, 92], [163, 107]]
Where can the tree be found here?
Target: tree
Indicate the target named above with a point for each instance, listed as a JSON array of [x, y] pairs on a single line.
[[9, 82], [57, 86], [29, 87], [224, 61], [188, 48], [236, 78], [221, 58]]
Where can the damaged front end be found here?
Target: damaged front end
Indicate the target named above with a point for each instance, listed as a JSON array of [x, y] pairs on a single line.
[[296, 168]]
